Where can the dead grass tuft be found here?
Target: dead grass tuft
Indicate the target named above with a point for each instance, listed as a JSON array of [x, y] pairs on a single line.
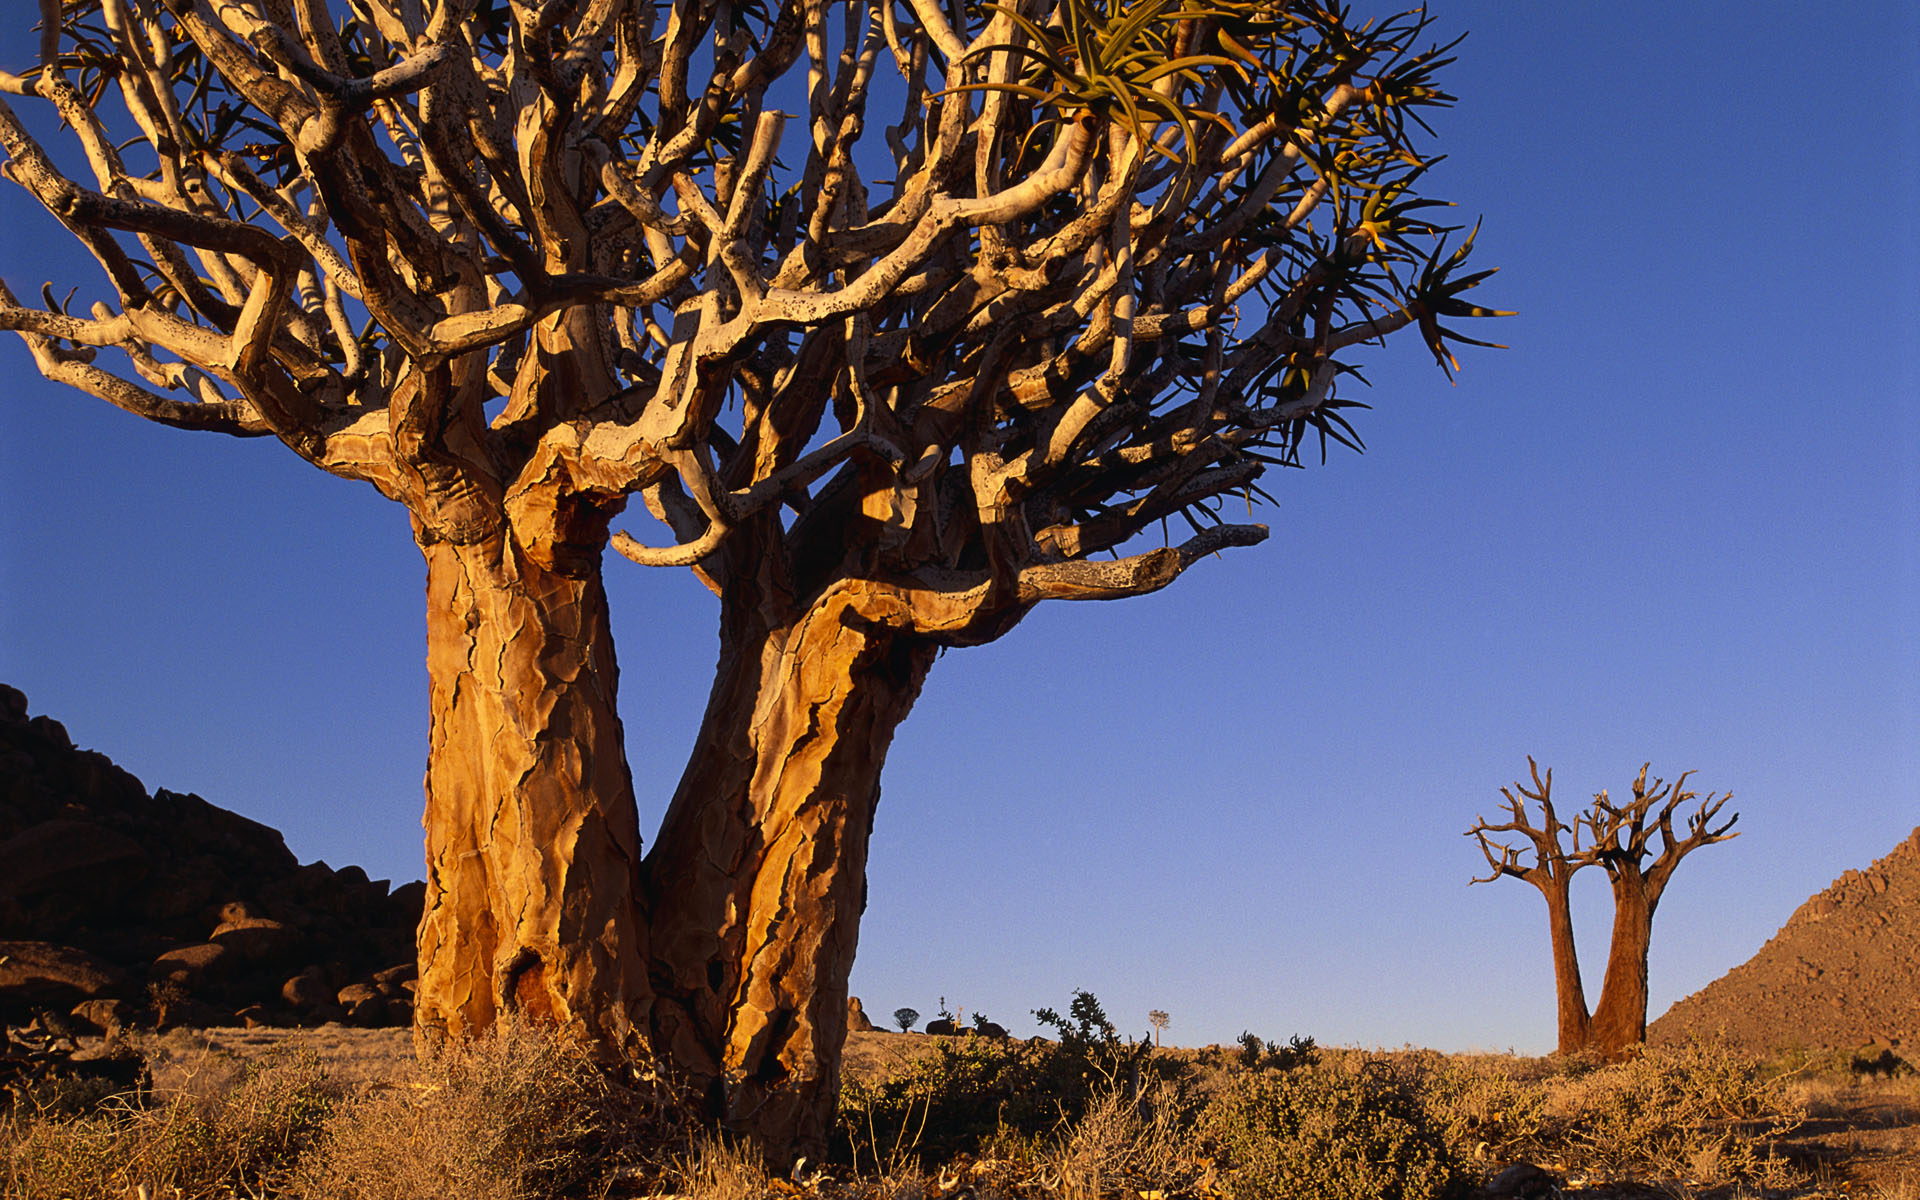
[[246, 1140], [509, 1116]]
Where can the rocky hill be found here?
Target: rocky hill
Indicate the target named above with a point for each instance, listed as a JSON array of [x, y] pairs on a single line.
[[120, 906], [1843, 973]]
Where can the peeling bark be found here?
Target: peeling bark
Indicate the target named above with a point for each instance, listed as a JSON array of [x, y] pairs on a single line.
[[533, 844], [758, 879]]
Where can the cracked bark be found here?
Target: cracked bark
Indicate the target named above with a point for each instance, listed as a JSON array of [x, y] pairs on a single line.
[[758, 878], [532, 840]]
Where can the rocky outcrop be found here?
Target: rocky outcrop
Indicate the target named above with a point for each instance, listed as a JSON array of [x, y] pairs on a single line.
[[122, 906], [1841, 974], [857, 1019]]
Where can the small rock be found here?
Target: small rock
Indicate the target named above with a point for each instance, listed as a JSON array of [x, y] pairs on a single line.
[[1521, 1181], [394, 979], [111, 1017], [355, 993], [259, 1016]]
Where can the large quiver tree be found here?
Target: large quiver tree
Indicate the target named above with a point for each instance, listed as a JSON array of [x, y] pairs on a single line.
[[1012, 287]]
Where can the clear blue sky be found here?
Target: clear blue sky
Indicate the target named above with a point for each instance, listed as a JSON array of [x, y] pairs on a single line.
[[1679, 520]]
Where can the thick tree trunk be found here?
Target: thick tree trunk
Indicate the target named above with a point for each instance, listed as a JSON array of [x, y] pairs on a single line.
[[532, 838], [1569, 992], [1620, 1018], [758, 878]]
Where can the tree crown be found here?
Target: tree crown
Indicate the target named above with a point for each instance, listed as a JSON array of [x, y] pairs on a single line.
[[1105, 263]]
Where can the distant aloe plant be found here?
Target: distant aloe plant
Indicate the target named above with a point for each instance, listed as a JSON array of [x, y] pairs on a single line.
[[905, 1017]]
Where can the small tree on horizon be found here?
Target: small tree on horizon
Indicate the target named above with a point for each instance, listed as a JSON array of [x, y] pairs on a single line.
[[905, 1017], [1618, 838], [1159, 1019]]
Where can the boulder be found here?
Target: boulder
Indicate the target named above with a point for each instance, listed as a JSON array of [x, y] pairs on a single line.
[[111, 1017], [394, 980], [80, 858], [943, 1027], [205, 902], [41, 973], [258, 940], [857, 1020], [176, 1010], [194, 967], [355, 993], [308, 989]]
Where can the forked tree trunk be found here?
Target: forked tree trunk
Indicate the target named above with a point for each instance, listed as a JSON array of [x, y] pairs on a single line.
[[1569, 992], [1620, 1018], [532, 838], [758, 878]]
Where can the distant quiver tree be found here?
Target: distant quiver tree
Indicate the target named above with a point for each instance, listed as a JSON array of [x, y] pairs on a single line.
[[905, 1017], [899, 317], [1619, 839]]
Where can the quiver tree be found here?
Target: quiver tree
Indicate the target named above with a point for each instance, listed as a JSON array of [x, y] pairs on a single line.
[[1618, 839], [1008, 290]]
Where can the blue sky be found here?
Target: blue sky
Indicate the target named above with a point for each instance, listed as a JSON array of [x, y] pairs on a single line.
[[1678, 520]]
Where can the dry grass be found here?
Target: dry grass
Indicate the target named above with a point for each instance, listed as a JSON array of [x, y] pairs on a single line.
[[243, 1140], [519, 1117], [509, 1117]]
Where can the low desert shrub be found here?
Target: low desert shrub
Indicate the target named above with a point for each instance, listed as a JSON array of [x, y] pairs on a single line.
[[1485, 1108], [247, 1140], [510, 1116], [977, 1092], [1705, 1116], [1144, 1142], [1339, 1130]]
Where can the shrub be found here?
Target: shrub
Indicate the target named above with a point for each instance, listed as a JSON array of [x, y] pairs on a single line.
[[1256, 1054], [1336, 1131], [247, 1140], [1698, 1114], [1144, 1141], [509, 1116], [979, 1092]]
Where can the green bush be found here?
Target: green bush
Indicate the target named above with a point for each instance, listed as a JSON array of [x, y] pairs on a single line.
[[1333, 1131]]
